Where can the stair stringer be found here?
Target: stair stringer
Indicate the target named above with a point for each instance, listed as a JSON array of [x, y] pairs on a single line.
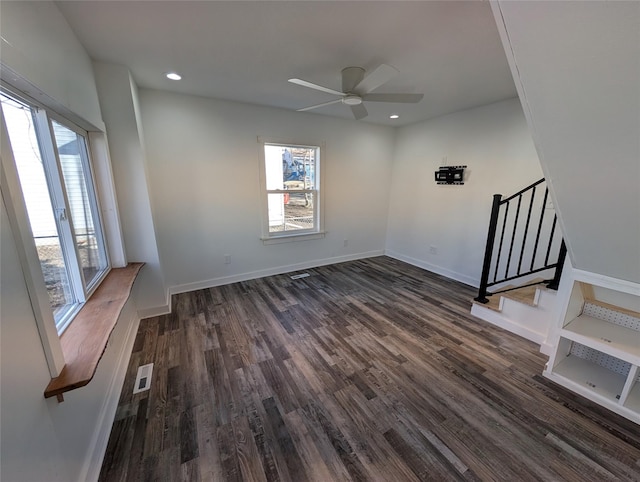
[[530, 321]]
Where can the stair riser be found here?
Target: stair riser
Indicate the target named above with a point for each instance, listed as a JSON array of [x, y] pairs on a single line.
[[530, 322]]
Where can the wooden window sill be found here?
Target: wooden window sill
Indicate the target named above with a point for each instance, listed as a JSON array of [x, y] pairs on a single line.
[[85, 340]]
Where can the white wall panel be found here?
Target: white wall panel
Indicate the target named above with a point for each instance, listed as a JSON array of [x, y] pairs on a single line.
[[494, 143], [577, 68], [204, 182]]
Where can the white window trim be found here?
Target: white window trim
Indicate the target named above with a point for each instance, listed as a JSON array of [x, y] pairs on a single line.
[[300, 235], [106, 193], [26, 246], [16, 210]]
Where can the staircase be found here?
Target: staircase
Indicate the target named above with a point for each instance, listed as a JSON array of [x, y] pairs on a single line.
[[523, 244], [527, 311]]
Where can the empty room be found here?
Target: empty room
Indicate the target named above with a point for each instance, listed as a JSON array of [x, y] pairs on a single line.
[[320, 241]]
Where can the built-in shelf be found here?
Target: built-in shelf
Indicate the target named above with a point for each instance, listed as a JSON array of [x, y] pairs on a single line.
[[633, 400], [616, 340], [597, 343], [591, 377]]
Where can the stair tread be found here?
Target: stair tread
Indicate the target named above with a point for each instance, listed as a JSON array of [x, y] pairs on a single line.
[[524, 294]]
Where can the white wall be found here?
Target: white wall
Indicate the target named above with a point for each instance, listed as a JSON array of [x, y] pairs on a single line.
[[204, 182], [38, 44], [41, 439], [494, 143], [26, 429], [118, 100], [577, 69]]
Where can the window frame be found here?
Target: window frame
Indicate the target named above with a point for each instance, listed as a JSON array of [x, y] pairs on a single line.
[[317, 191], [43, 118], [93, 198]]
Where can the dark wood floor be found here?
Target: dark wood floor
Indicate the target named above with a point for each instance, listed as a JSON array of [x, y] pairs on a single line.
[[366, 370]]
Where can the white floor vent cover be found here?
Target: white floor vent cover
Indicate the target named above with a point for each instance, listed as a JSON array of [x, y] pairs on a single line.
[[298, 276], [143, 378]]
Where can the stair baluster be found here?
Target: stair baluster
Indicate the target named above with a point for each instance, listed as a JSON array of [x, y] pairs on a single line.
[[521, 235]]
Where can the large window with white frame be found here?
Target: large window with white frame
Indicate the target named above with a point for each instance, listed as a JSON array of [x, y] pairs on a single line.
[[291, 190], [55, 177]]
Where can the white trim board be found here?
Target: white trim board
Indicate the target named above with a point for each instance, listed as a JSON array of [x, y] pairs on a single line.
[[225, 280], [462, 278]]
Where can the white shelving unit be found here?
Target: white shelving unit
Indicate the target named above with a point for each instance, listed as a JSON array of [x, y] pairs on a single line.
[[597, 345]]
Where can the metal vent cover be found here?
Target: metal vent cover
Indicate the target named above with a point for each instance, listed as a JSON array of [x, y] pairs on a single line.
[[143, 378]]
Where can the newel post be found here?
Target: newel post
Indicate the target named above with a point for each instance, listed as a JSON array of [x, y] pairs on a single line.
[[491, 236]]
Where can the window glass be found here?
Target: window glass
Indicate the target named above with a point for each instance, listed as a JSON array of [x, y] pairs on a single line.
[[54, 174], [292, 188], [77, 182], [37, 198]]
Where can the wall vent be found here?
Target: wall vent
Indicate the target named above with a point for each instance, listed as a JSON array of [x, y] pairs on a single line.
[[143, 378], [301, 275]]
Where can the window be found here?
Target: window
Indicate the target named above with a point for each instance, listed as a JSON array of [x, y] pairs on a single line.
[[291, 190], [54, 173]]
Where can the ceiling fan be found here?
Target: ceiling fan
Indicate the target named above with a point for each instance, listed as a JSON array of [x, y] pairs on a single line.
[[356, 89]]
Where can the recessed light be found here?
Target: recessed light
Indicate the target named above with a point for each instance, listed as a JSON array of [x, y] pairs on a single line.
[[173, 76], [394, 116]]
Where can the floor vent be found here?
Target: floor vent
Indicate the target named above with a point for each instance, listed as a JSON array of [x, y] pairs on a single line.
[[143, 378], [298, 276]]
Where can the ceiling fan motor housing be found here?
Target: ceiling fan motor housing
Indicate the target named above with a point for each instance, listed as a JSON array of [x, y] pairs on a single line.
[[351, 76]]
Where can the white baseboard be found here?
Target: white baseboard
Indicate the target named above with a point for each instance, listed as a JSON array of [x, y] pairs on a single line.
[[225, 280], [546, 349], [210, 283], [156, 310], [99, 441], [468, 280]]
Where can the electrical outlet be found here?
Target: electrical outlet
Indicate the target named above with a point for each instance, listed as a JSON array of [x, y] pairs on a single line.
[[345, 243], [433, 250], [227, 259]]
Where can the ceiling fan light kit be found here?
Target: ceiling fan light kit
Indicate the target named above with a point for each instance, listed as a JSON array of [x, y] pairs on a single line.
[[356, 89], [352, 100]]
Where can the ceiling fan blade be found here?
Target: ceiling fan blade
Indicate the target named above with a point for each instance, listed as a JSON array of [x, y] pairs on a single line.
[[400, 98], [359, 111], [320, 105], [351, 76], [380, 75], [304, 83]]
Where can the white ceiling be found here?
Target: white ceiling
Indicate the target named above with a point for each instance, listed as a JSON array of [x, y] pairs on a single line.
[[245, 51]]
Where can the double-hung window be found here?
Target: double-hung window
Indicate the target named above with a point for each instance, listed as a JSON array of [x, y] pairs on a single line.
[[54, 174], [291, 190]]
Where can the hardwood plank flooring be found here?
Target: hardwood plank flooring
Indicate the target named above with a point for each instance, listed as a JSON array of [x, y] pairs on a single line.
[[371, 370]]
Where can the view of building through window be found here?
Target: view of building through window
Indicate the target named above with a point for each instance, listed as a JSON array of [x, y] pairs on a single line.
[[292, 188]]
